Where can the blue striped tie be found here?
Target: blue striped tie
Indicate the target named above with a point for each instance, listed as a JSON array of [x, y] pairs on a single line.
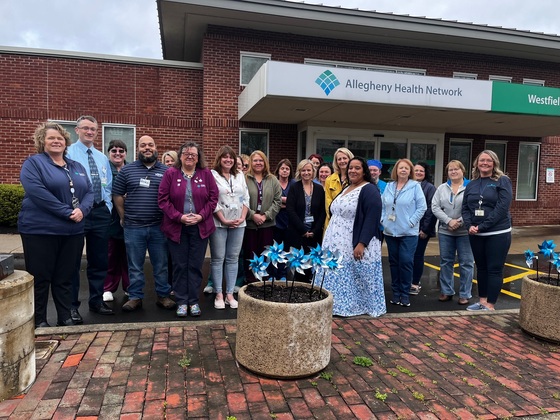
[[95, 180]]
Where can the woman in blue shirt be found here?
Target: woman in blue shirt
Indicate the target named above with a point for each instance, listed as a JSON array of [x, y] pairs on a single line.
[[58, 196], [404, 205]]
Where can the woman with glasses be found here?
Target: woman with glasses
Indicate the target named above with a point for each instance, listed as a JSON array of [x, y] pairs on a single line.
[[447, 205], [265, 200], [229, 218], [118, 265], [188, 196], [487, 218], [58, 196]]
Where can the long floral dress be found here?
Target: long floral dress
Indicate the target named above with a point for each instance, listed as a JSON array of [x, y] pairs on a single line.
[[357, 287]]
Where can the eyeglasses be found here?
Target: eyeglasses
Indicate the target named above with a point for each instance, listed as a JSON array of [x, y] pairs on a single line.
[[186, 154], [121, 151], [92, 129], [245, 165]]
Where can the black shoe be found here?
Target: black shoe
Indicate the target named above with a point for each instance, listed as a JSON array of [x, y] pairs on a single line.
[[102, 309], [43, 324], [76, 317], [69, 322]]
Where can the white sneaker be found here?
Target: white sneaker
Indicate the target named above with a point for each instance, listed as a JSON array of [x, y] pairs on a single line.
[[219, 304], [209, 289], [231, 303], [108, 297]]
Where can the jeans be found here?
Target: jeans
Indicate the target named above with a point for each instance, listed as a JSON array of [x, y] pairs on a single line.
[[490, 254], [225, 245], [418, 268], [138, 240], [188, 257], [448, 246], [401, 259], [97, 252]]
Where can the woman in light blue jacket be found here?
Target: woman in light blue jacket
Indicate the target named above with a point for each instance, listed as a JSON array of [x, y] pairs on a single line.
[[404, 205]]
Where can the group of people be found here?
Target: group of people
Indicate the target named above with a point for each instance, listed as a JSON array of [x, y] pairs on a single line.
[[175, 208]]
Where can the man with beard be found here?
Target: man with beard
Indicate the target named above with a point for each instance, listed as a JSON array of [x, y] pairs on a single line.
[[98, 220], [141, 217]]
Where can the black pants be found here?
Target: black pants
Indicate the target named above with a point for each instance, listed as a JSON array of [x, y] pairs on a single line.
[[97, 251], [52, 261]]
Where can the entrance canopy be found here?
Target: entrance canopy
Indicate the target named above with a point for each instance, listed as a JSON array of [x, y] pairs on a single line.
[[290, 93]]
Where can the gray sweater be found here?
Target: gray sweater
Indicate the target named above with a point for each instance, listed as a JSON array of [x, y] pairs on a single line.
[[446, 207]]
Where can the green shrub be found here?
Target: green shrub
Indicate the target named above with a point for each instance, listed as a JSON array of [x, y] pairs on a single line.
[[11, 197]]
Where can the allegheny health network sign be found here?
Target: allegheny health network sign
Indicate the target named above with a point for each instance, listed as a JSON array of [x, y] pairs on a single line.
[[280, 79]]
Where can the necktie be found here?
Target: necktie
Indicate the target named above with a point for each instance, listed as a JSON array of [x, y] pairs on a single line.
[[95, 180]]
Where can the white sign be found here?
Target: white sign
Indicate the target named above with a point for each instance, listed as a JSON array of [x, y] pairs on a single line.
[[318, 82], [550, 175]]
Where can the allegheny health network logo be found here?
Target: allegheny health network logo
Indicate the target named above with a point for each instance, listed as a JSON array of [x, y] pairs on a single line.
[[327, 81]]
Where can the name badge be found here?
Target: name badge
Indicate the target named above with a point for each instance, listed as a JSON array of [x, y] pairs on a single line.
[[308, 220], [479, 213], [144, 182], [392, 217]]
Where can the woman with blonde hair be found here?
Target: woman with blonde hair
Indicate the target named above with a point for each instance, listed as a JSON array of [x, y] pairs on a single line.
[[335, 183], [169, 158], [265, 200], [487, 218], [404, 204]]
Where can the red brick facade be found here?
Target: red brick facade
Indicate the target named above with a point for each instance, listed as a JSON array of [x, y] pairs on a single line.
[[174, 104]]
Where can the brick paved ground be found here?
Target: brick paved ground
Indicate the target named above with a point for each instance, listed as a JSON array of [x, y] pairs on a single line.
[[425, 367]]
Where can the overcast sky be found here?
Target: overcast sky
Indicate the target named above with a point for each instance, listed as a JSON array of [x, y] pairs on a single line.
[[131, 27]]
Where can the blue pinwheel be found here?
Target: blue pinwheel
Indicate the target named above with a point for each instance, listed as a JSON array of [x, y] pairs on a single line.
[[275, 253], [555, 261], [258, 266], [547, 247], [298, 261], [529, 257], [333, 261], [316, 257]]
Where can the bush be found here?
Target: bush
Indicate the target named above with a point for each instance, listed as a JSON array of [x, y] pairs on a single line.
[[11, 197]]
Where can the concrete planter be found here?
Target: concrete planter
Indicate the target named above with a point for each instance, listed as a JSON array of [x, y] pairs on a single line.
[[17, 334], [540, 309], [283, 340]]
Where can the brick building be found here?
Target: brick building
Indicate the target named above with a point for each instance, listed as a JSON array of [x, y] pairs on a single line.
[[294, 79]]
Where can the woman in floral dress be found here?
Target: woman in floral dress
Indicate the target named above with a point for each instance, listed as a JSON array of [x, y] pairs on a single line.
[[353, 233]]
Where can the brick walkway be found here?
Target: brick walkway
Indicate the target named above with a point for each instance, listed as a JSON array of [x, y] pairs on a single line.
[[425, 367]]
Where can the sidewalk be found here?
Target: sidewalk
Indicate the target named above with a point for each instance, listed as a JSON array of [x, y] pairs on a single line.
[[452, 365]]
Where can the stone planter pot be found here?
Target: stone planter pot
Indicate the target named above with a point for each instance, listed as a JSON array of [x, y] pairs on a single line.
[[540, 309], [283, 340], [17, 334]]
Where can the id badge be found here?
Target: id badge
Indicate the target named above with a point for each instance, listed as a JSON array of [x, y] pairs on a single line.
[[259, 208], [308, 220], [75, 202], [144, 182], [392, 217], [479, 213]]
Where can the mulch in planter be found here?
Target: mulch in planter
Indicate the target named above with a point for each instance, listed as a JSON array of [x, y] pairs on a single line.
[[281, 293]]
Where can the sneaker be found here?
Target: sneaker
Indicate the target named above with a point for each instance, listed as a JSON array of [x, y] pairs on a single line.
[[236, 289], [108, 297], [219, 304], [182, 311], [232, 303], [131, 305], [165, 302], [395, 302], [414, 289], [209, 290], [194, 310], [477, 307], [407, 304]]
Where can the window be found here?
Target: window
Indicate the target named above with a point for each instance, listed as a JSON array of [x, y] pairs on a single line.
[[391, 150], [468, 76], [250, 64], [528, 171], [533, 82], [500, 148], [126, 133], [422, 152], [70, 127], [461, 150], [504, 79], [369, 67], [251, 140]]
